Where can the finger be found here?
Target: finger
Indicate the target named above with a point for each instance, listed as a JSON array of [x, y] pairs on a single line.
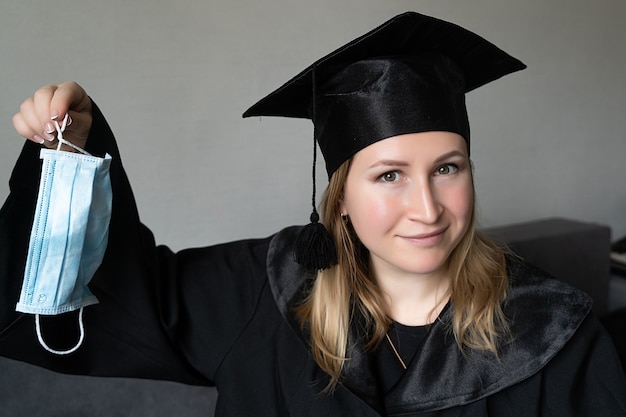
[[78, 124], [23, 128], [27, 122], [38, 114], [41, 100], [80, 118], [68, 95]]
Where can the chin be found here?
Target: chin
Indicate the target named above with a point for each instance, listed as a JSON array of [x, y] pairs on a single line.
[[424, 264]]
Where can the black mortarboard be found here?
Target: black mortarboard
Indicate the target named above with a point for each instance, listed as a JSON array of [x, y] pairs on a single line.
[[408, 75]]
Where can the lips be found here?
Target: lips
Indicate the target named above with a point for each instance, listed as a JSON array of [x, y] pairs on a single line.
[[427, 235], [428, 238]]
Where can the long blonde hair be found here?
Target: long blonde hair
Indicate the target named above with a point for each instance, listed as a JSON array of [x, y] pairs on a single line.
[[478, 287]]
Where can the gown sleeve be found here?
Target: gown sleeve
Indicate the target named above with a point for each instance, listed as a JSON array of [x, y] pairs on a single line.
[[161, 315]]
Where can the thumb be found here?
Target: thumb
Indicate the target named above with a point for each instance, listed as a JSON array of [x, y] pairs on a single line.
[[69, 96]]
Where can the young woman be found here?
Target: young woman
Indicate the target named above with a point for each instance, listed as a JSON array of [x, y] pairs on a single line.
[[403, 309]]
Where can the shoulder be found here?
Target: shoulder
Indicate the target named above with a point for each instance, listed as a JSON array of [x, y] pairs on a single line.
[[539, 304], [526, 278], [544, 315]]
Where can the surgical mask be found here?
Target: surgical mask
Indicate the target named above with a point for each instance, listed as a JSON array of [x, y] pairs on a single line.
[[69, 235]]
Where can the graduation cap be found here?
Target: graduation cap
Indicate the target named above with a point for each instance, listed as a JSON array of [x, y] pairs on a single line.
[[408, 75]]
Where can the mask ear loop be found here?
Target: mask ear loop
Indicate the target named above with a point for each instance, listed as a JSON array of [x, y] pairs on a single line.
[[60, 129], [61, 352]]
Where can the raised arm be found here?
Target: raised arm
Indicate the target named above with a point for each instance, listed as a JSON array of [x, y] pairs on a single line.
[[160, 315], [124, 333]]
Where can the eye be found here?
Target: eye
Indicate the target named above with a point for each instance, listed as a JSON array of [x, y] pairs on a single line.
[[446, 169], [391, 176]]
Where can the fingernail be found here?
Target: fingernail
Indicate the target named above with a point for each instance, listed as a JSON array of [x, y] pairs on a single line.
[[69, 120], [48, 136], [38, 139], [49, 128], [54, 115]]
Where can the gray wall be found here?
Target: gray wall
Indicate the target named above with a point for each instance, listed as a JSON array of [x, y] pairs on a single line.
[[173, 77]]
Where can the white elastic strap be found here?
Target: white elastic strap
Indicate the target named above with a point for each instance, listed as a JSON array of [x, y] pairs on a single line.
[[61, 352], [60, 129]]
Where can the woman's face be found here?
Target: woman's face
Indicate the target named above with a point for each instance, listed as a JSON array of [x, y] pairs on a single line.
[[410, 201]]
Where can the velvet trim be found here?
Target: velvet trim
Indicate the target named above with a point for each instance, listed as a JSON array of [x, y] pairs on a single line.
[[543, 315]]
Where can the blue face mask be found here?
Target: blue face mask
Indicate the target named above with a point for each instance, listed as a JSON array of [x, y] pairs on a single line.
[[69, 235]]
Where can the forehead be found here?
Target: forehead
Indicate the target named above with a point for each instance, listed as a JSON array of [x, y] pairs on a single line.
[[413, 147]]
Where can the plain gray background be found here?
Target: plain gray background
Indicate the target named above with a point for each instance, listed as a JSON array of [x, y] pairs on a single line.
[[174, 77]]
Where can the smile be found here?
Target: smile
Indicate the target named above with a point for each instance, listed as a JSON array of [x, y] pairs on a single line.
[[426, 239]]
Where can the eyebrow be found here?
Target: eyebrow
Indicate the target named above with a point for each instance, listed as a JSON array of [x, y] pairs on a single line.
[[389, 163], [450, 154], [401, 163]]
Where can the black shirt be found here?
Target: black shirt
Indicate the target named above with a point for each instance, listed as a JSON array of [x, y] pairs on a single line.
[[406, 340]]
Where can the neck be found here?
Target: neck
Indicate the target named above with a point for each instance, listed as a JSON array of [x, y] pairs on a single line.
[[414, 300]]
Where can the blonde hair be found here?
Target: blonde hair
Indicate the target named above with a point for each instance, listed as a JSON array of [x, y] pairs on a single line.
[[478, 287]]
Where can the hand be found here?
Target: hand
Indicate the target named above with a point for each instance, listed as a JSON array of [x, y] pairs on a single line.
[[35, 121]]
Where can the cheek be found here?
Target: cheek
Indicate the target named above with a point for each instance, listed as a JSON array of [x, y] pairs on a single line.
[[461, 202], [356, 201], [369, 212], [375, 208]]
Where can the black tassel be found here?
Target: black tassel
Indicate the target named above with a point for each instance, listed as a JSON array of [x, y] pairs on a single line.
[[314, 248]]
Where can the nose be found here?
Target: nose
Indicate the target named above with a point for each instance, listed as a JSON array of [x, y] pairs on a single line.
[[422, 203]]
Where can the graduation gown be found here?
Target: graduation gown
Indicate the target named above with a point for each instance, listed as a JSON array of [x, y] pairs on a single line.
[[223, 316]]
